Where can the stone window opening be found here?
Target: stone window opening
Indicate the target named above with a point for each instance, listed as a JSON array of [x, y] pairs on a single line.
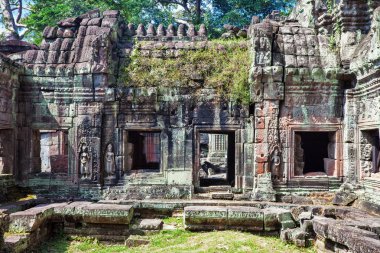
[[370, 153], [144, 151], [315, 154], [53, 146], [216, 159]]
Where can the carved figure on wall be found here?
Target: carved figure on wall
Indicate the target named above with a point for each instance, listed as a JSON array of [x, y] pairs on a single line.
[[84, 159], [110, 161], [1, 147], [275, 165], [299, 163]]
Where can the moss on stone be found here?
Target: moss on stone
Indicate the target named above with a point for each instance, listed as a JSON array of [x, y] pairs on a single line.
[[221, 65]]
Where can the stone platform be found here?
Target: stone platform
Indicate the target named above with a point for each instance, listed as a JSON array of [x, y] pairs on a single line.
[[333, 228], [28, 228]]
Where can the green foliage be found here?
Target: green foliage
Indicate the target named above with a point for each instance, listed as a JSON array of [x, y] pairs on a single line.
[[214, 13], [48, 13], [240, 12], [335, 36], [330, 5], [223, 65]]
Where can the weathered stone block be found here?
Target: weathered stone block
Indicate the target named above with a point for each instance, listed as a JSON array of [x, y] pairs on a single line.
[[245, 218], [271, 222], [205, 217], [31, 219]]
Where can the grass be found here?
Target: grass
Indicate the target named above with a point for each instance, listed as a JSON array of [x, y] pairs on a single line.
[[222, 65], [179, 240]]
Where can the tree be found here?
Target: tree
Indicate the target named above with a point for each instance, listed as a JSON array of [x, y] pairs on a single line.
[[216, 13], [11, 14], [44, 13], [192, 9]]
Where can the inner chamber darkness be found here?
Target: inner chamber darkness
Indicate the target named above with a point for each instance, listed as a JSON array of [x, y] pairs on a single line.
[[315, 146], [145, 150]]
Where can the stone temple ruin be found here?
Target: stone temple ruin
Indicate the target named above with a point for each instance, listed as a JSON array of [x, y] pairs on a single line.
[[73, 127]]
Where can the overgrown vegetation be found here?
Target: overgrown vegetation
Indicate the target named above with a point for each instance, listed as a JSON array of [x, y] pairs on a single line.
[[181, 241], [222, 65]]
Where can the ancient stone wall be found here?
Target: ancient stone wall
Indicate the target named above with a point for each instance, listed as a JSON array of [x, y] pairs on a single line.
[[9, 84], [131, 103]]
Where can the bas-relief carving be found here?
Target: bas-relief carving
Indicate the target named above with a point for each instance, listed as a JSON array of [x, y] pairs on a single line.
[[299, 163], [275, 165], [84, 161], [109, 161]]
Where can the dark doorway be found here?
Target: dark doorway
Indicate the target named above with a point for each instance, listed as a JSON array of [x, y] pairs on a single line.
[[145, 150], [216, 159], [315, 148]]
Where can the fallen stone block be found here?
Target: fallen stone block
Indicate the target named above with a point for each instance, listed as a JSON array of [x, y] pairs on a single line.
[[150, 224], [245, 218], [296, 236], [205, 217], [344, 198], [107, 214], [286, 219], [307, 226], [146, 226], [16, 243], [343, 233], [135, 241], [31, 219], [271, 222]]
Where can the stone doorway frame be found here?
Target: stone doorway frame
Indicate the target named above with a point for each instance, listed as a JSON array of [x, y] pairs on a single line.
[[292, 129], [197, 150], [362, 127], [123, 146]]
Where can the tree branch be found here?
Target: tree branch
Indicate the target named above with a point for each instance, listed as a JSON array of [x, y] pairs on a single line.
[[19, 11], [22, 34], [183, 4], [20, 25]]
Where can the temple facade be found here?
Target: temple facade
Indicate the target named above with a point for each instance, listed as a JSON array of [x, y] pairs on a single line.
[[73, 124]]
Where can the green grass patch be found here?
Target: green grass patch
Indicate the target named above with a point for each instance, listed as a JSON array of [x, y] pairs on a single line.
[[181, 241], [222, 65], [177, 221]]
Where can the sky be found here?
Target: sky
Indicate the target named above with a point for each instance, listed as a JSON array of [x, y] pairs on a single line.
[[25, 12]]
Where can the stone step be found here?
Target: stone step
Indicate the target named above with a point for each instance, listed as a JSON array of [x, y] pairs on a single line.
[[217, 188], [222, 195], [16, 243], [371, 183], [237, 217]]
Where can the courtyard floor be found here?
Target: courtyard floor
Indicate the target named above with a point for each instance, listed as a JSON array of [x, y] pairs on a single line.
[[176, 239]]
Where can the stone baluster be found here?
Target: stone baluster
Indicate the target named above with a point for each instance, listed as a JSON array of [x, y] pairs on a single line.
[[181, 30], [151, 30], [202, 30], [161, 30], [141, 30], [191, 31], [171, 31]]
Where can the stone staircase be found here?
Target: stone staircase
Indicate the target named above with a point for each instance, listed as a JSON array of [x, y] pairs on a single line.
[[323, 184]]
